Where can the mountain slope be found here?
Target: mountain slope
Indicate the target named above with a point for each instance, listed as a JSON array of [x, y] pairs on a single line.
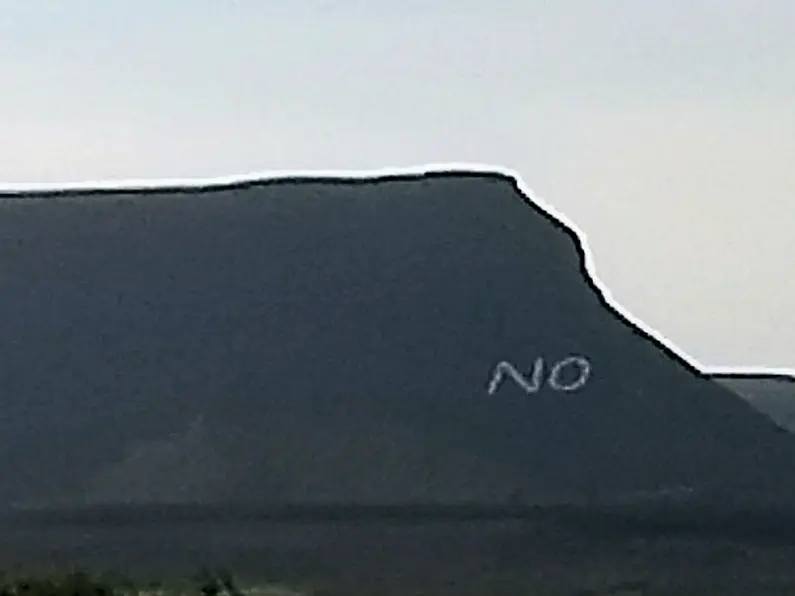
[[773, 395]]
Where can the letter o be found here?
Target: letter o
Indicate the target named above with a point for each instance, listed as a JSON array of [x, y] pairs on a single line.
[[585, 373]]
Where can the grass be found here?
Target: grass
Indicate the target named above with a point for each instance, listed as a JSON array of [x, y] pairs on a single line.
[[84, 583], [561, 554], [600, 578]]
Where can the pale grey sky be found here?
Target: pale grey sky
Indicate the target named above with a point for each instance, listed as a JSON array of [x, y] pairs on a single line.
[[665, 130]]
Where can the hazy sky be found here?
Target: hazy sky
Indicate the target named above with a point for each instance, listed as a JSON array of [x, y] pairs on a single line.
[[665, 130]]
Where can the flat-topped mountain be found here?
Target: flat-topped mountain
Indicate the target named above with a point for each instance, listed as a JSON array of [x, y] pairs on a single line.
[[408, 339]]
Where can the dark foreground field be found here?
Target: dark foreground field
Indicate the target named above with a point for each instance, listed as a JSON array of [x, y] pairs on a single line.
[[549, 551]]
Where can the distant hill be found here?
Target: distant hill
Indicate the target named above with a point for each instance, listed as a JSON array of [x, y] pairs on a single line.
[[773, 395], [409, 339]]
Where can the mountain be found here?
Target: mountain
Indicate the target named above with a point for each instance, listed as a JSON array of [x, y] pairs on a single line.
[[772, 394], [424, 338]]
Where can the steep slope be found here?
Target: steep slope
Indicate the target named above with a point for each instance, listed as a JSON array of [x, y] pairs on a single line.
[[338, 340], [773, 395]]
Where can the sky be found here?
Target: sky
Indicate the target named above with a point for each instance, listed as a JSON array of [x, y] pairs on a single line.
[[664, 130]]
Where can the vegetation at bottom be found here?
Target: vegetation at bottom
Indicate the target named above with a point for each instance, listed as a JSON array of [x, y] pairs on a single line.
[[206, 582]]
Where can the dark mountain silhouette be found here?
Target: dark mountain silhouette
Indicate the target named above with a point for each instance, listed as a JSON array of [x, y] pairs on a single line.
[[334, 341], [771, 394]]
